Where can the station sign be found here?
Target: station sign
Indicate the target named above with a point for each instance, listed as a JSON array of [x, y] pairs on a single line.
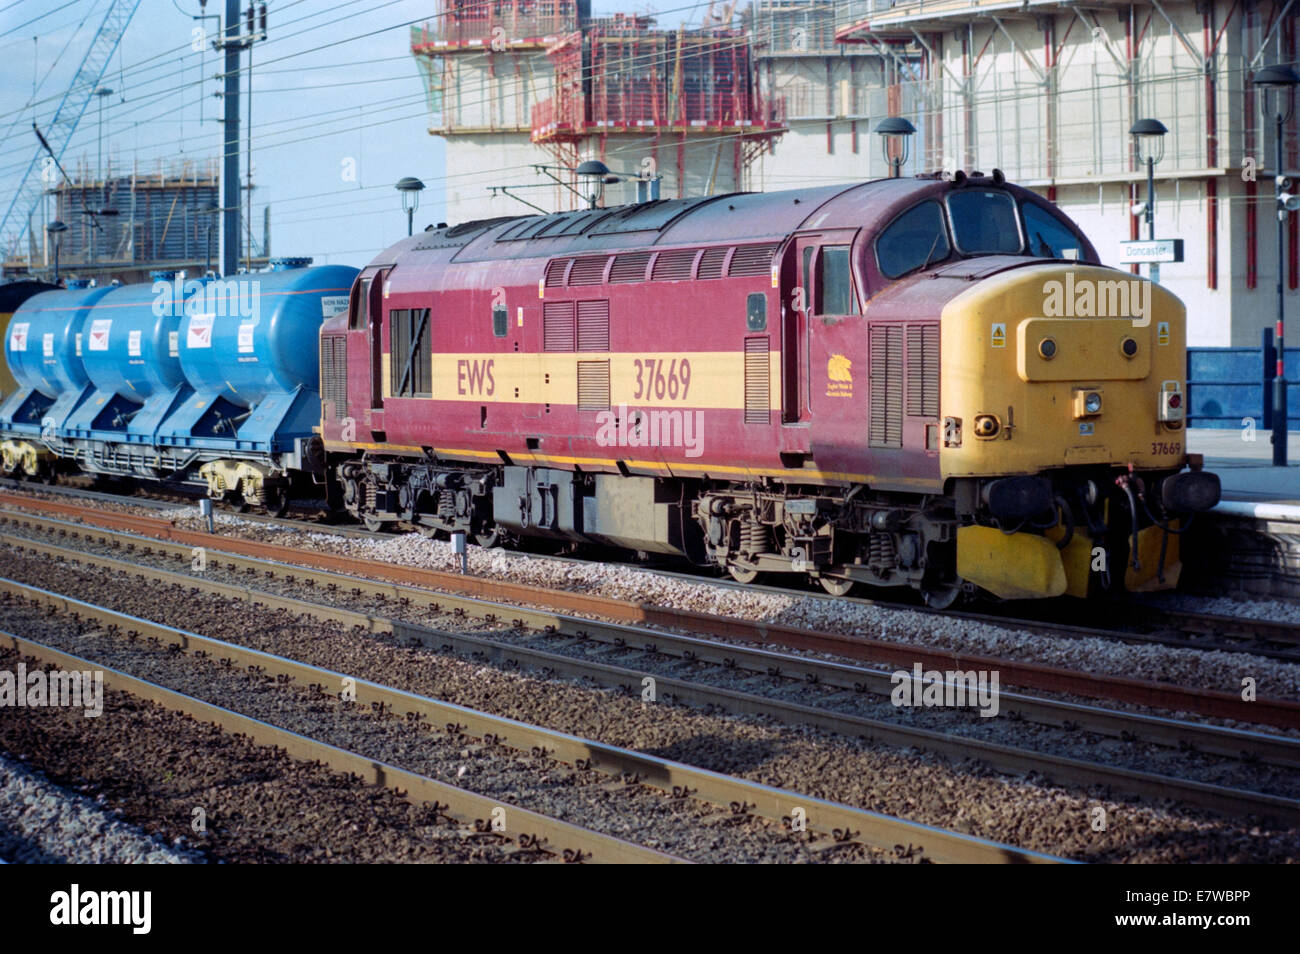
[[1151, 251]]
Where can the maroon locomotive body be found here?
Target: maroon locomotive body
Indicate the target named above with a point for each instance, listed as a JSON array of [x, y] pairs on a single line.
[[753, 380]]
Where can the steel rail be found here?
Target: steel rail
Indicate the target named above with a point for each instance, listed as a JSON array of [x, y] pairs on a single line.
[[1270, 711], [529, 829], [1229, 801], [1216, 740], [843, 822]]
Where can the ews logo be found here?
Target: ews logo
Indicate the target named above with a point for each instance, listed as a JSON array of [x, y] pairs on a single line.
[[475, 377]]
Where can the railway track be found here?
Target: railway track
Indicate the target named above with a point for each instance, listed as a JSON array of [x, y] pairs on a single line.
[[536, 832], [512, 599], [1130, 621], [508, 642]]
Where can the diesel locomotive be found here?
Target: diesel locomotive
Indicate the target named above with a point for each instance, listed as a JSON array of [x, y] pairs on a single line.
[[928, 383]]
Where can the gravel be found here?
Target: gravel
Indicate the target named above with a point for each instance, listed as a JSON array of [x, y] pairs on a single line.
[[41, 823]]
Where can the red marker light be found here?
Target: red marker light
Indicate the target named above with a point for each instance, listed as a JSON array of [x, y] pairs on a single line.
[[1175, 400]]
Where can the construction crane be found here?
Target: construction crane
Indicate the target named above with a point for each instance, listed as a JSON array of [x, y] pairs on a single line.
[[32, 185]]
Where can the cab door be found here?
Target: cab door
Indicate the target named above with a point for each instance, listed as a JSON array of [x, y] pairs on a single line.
[[365, 357]]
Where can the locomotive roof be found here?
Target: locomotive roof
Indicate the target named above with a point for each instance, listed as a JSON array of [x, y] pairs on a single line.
[[751, 216]]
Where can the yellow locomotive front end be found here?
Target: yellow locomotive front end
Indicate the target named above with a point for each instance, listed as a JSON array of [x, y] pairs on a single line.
[[1064, 439]]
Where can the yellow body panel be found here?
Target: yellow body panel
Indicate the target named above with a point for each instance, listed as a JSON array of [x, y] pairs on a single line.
[[1147, 577], [991, 365], [716, 378], [1012, 566]]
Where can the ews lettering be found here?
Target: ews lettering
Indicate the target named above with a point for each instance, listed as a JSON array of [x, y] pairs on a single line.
[[475, 377]]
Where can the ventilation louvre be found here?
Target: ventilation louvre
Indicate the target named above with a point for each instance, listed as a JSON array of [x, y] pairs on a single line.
[[674, 265], [630, 267], [711, 262], [588, 271], [923, 370], [557, 326], [555, 272], [886, 374], [751, 260], [593, 385], [334, 374], [758, 381], [593, 325]]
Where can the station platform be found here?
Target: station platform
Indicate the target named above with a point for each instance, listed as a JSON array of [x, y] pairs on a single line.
[[1250, 543], [1246, 466]]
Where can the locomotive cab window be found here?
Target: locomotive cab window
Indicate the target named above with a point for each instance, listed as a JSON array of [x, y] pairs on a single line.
[[918, 237], [359, 312], [1047, 235], [756, 312], [834, 286], [984, 222], [500, 321]]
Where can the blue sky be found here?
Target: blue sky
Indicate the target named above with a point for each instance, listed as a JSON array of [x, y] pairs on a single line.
[[335, 92]]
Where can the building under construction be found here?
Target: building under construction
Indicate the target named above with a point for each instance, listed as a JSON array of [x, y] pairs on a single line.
[[125, 226]]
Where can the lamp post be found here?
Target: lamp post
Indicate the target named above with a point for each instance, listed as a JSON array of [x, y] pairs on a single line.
[[647, 185], [410, 187], [1149, 142], [209, 212], [895, 131], [56, 230], [1277, 87]]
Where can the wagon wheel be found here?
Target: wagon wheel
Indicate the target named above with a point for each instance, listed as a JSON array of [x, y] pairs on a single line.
[[742, 574], [276, 501], [48, 475], [835, 587]]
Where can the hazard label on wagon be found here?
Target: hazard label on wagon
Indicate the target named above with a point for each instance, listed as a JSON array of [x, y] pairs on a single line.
[[99, 329], [18, 336], [998, 335], [199, 333]]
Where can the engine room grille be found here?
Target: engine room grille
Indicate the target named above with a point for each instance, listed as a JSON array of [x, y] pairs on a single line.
[[751, 260], [630, 267], [923, 370], [674, 265], [593, 385], [711, 262], [886, 373], [334, 374], [555, 272], [557, 326], [758, 381], [588, 271], [593, 325]]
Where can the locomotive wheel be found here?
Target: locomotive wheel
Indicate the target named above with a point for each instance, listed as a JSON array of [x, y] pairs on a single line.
[[488, 540], [943, 596], [742, 574], [276, 501], [373, 524], [835, 587]]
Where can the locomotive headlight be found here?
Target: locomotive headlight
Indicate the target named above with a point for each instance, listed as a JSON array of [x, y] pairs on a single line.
[[1047, 349], [1128, 347], [987, 425], [1087, 402]]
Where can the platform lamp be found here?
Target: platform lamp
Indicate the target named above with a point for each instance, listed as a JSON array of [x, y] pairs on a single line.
[[56, 230], [895, 132], [1276, 85], [1149, 142], [410, 187], [595, 169]]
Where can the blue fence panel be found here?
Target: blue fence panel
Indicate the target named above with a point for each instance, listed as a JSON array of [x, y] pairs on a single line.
[[1225, 385]]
